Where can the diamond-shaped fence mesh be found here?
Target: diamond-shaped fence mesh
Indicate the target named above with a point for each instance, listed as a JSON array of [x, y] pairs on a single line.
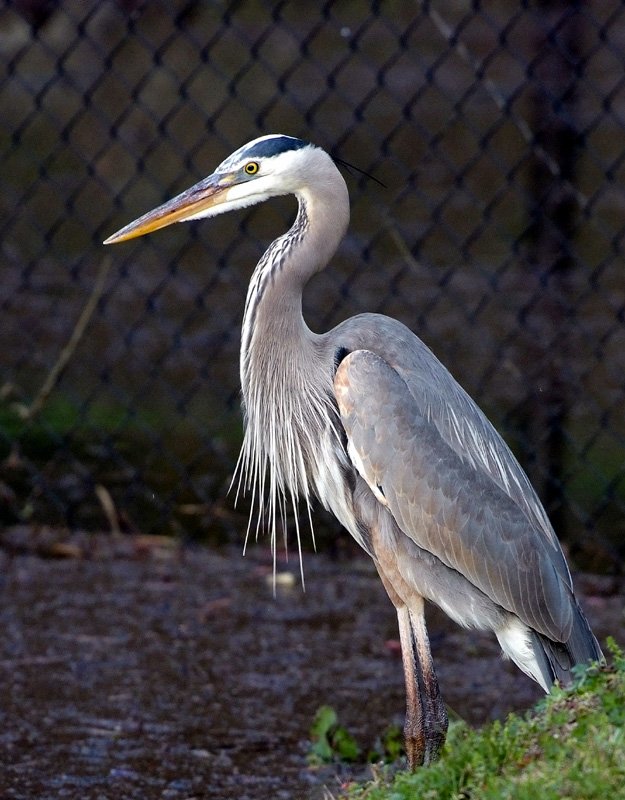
[[499, 133]]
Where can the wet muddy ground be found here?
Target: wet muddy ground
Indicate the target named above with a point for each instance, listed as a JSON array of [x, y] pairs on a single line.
[[147, 671]]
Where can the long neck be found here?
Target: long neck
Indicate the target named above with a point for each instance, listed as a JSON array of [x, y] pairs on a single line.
[[286, 380], [273, 309]]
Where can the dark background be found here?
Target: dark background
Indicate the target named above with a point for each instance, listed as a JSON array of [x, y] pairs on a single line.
[[498, 131]]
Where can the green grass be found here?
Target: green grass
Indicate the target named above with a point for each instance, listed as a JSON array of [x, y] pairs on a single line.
[[571, 747]]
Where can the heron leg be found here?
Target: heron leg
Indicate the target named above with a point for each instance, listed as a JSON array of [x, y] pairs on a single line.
[[414, 728], [436, 720], [425, 729]]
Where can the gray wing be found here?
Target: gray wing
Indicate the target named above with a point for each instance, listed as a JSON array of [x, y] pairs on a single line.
[[445, 404], [445, 500]]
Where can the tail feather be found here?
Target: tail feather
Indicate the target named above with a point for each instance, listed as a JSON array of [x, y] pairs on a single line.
[[556, 659]]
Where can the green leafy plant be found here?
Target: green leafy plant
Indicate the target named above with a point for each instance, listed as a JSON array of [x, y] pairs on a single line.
[[390, 746], [571, 746], [331, 741]]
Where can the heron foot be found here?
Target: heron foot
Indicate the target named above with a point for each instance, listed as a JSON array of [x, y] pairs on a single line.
[[415, 743], [425, 738], [435, 736], [435, 717]]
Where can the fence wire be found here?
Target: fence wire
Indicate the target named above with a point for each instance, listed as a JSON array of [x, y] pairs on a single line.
[[498, 131]]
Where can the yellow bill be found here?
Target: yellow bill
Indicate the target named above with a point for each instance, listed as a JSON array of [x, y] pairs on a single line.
[[193, 202]]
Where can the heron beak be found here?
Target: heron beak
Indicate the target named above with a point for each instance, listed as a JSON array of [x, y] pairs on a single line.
[[207, 193]]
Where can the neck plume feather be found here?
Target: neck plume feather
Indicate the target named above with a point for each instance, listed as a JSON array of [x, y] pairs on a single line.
[[291, 417]]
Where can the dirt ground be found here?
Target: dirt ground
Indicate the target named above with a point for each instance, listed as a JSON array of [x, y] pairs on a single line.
[[133, 669]]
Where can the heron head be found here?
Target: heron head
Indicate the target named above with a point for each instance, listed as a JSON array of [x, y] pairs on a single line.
[[266, 167]]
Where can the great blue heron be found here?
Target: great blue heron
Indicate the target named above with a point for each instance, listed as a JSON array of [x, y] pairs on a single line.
[[366, 419]]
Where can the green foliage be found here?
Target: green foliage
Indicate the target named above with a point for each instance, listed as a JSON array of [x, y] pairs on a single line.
[[42, 437], [330, 741], [391, 745], [571, 747]]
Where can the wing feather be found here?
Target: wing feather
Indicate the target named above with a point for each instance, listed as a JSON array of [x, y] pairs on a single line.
[[446, 501]]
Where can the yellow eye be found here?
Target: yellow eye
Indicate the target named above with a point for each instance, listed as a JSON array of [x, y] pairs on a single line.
[[251, 168]]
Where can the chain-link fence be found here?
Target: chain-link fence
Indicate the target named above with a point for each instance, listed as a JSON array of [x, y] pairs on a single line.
[[499, 133]]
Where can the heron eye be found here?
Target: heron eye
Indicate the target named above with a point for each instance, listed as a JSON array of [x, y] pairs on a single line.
[[251, 168]]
